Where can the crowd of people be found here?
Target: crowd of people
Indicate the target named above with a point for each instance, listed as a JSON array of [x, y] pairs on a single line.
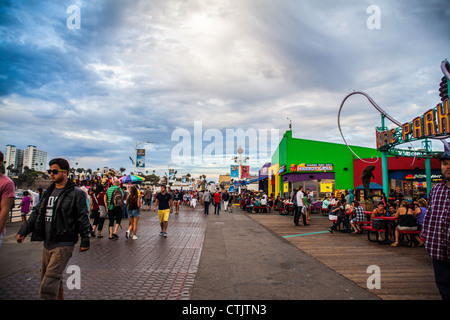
[[62, 217], [350, 214]]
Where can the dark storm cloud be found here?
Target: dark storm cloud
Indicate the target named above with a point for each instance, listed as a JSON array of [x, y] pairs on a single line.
[[137, 70]]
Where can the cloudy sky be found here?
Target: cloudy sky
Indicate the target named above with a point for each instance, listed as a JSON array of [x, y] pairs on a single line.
[[183, 74]]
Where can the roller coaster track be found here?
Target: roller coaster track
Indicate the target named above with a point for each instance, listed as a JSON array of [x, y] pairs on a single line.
[[445, 67]]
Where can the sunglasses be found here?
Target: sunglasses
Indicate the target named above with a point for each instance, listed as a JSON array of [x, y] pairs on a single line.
[[54, 171]]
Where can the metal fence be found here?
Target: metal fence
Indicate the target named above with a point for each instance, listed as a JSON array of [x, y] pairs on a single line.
[[14, 213]]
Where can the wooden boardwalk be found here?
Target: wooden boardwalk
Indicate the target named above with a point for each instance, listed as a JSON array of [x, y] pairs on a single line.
[[406, 272]]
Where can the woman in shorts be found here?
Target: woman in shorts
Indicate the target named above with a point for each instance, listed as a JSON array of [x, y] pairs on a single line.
[[408, 222], [133, 204]]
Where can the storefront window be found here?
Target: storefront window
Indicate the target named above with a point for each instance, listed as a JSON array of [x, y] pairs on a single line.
[[320, 188]]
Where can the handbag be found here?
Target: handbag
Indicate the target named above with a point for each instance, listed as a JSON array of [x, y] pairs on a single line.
[[102, 211]]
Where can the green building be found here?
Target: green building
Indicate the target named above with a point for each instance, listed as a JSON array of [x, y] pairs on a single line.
[[323, 167]]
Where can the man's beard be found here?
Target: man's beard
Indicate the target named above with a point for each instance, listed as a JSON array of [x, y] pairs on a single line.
[[59, 180]]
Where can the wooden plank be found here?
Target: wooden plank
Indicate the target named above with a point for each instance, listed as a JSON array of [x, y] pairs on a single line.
[[406, 272]]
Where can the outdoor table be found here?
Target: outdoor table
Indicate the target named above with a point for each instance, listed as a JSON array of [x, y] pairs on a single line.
[[390, 221], [289, 207]]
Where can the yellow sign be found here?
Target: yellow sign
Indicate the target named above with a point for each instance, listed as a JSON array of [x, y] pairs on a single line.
[[326, 187], [286, 187]]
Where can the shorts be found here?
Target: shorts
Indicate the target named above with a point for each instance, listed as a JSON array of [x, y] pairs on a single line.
[[133, 213], [115, 214], [163, 215], [407, 228], [148, 202]]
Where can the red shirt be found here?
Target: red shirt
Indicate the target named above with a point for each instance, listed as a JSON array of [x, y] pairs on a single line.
[[217, 197]]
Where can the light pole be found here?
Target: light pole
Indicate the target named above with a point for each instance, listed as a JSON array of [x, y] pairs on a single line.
[[135, 152]]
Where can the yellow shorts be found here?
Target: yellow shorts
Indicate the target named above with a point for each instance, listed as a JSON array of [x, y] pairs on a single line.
[[163, 215]]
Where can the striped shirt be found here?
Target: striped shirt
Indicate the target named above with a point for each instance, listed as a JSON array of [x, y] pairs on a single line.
[[359, 214], [109, 193], [435, 229]]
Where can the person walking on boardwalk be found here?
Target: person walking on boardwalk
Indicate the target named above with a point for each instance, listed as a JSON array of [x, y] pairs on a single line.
[[98, 200], [114, 207], [226, 199], [25, 206], [7, 196], [301, 209], [58, 219], [206, 200], [436, 228], [177, 197], [163, 201], [148, 195], [217, 199], [133, 203]]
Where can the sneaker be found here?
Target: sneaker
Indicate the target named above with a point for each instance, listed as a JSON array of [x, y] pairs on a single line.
[[331, 230], [134, 237], [127, 234], [161, 233], [165, 235]]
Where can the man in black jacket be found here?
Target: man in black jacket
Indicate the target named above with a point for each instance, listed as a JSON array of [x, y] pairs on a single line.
[[58, 219]]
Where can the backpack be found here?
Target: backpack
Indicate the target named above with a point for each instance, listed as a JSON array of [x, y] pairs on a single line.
[[117, 198]]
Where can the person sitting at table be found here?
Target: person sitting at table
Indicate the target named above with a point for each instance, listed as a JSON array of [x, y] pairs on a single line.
[[257, 204], [359, 216], [422, 205], [391, 211], [279, 205], [380, 211], [408, 221], [340, 212], [264, 200], [326, 203]]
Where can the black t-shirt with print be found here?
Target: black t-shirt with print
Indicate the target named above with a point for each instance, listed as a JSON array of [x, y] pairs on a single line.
[[48, 222]]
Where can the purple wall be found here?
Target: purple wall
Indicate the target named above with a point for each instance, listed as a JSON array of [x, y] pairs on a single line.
[[296, 177]]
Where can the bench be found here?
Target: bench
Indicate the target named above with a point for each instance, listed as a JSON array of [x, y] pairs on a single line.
[[364, 222], [407, 232], [370, 230], [261, 208]]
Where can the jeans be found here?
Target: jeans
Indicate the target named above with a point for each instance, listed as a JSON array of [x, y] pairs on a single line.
[[216, 207], [206, 207], [338, 222], [442, 277], [297, 214]]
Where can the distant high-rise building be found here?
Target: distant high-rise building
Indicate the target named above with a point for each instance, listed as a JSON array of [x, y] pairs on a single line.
[[14, 160], [30, 157], [34, 159]]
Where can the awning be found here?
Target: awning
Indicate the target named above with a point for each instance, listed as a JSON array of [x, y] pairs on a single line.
[[258, 179], [372, 186]]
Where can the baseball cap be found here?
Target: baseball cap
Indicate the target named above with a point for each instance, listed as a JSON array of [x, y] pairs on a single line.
[[445, 155]]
